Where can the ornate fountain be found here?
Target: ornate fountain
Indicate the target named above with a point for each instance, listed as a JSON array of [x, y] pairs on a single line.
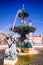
[[23, 29], [23, 45]]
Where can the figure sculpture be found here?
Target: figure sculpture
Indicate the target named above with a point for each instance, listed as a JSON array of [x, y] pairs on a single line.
[[10, 52]]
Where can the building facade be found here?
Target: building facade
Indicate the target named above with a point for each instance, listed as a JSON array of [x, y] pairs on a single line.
[[35, 40]]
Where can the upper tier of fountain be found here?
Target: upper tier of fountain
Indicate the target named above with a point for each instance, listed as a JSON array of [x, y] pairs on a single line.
[[22, 29]]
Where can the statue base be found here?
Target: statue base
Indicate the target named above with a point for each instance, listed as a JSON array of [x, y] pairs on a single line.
[[10, 62]]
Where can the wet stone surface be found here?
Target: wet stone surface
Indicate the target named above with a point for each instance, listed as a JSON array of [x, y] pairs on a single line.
[[30, 60], [38, 60]]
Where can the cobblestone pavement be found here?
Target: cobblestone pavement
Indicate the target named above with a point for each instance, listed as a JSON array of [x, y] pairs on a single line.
[[38, 60], [31, 60]]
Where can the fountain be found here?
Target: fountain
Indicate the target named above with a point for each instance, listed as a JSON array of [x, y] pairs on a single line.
[[23, 45], [23, 29]]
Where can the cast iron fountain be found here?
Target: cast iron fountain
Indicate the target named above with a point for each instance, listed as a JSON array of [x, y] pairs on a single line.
[[23, 29]]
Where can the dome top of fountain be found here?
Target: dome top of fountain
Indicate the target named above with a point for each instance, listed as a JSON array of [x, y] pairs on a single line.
[[22, 14]]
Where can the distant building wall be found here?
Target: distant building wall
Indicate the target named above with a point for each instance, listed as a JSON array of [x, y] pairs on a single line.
[[35, 40]]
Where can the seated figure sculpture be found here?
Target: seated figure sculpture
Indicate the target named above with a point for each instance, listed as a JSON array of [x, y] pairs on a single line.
[[10, 52]]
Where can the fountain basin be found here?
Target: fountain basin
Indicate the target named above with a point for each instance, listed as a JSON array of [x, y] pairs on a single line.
[[30, 51]]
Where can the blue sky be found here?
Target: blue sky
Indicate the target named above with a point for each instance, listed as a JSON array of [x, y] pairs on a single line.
[[9, 8]]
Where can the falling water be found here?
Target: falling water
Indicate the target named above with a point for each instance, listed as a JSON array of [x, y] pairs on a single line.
[[16, 18]]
